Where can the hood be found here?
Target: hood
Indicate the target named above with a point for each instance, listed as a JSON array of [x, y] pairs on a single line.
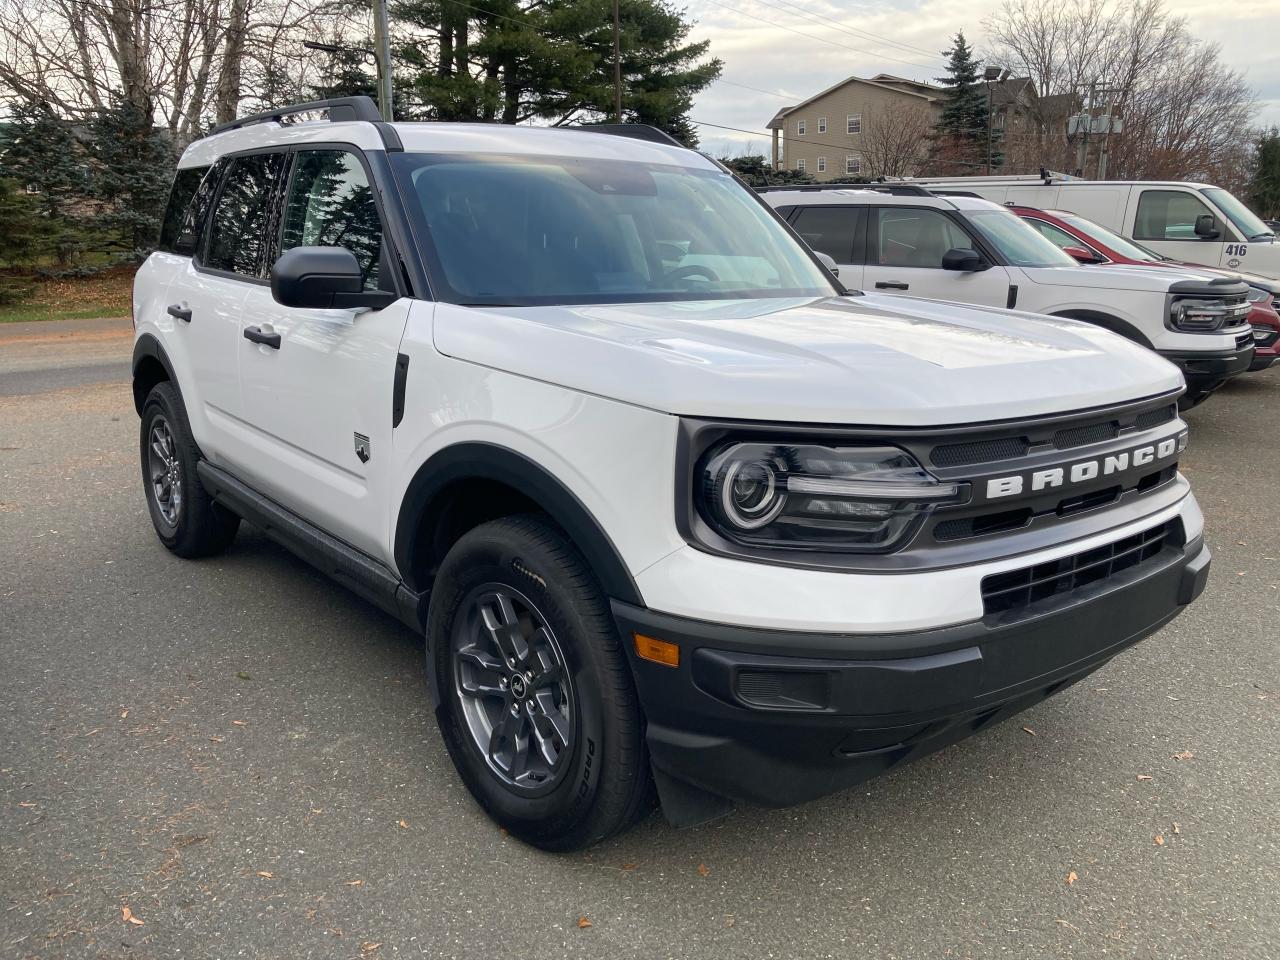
[[1118, 276], [871, 360]]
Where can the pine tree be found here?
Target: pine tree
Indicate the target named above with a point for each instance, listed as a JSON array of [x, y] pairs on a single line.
[[43, 154], [960, 135], [1264, 185], [132, 166]]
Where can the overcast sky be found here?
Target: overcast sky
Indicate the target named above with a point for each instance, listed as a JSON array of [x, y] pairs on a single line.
[[903, 37]]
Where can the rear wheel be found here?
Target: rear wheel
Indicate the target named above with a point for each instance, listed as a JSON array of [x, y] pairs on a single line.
[[538, 708], [186, 520]]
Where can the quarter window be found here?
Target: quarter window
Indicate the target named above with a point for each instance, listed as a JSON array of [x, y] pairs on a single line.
[[855, 123], [914, 237], [242, 218], [180, 213], [331, 205], [1168, 215]]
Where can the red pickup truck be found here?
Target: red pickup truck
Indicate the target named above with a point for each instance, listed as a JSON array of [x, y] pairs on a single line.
[[1090, 243]]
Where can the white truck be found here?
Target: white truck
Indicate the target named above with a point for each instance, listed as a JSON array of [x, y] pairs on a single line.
[[1194, 222], [905, 240], [668, 504]]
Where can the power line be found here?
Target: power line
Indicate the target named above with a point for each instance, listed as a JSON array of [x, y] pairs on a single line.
[[771, 93], [792, 9]]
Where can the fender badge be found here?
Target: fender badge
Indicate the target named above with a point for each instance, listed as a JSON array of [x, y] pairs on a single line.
[[362, 447]]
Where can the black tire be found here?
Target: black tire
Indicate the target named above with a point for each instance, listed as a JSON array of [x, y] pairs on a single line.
[[192, 525], [600, 782]]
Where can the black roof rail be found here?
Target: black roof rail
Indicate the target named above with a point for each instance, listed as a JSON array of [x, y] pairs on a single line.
[[956, 193], [893, 189], [340, 109], [636, 131]]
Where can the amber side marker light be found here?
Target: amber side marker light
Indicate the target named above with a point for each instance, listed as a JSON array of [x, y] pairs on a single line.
[[659, 651]]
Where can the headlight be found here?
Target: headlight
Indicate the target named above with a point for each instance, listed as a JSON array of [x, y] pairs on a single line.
[[1205, 315], [1256, 295], [853, 499]]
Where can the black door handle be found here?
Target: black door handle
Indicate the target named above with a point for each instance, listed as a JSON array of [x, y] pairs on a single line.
[[892, 285], [255, 334], [178, 313]]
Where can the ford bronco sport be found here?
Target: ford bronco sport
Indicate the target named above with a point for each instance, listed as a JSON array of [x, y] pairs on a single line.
[[670, 506]]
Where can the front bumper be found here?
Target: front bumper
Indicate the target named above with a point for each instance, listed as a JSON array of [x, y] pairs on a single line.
[[1205, 372], [780, 717]]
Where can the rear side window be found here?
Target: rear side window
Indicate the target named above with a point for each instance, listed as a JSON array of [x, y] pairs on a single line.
[[188, 202], [241, 228], [331, 205], [828, 230], [1168, 215]]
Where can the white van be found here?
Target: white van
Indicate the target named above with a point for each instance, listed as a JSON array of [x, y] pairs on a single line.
[[1194, 222]]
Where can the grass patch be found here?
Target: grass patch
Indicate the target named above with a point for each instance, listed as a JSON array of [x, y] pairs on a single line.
[[105, 294]]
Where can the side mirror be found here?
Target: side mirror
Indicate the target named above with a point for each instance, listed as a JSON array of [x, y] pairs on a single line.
[[1081, 254], [1207, 227], [962, 258], [323, 278], [828, 262]]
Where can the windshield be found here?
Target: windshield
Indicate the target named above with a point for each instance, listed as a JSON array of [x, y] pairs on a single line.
[[535, 230], [1021, 244], [1246, 220], [1121, 245]]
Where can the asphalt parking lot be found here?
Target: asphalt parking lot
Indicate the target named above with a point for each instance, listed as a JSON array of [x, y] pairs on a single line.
[[239, 755]]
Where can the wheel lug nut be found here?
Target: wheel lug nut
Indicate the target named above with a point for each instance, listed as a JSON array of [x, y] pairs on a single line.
[[515, 709], [528, 675]]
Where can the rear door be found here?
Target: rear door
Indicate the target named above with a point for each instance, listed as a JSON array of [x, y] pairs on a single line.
[[1164, 219], [837, 231], [905, 246], [317, 400]]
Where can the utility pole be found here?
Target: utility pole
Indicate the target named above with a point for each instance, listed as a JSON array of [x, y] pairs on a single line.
[[1085, 123], [617, 66], [382, 53], [1106, 134]]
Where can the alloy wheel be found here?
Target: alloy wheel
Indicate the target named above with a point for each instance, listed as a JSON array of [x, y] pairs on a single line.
[[164, 468]]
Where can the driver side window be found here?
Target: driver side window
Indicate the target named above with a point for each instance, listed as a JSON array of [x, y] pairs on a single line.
[[331, 205], [914, 237], [1169, 215]]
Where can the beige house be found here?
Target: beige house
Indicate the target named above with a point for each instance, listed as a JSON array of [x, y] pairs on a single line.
[[858, 128]]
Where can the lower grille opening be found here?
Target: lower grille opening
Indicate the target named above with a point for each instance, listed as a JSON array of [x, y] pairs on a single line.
[[1087, 501], [1155, 479], [784, 690], [1019, 589], [963, 527]]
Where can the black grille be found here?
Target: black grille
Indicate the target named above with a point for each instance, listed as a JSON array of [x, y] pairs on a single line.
[[1019, 589], [981, 451], [1079, 436], [1153, 418], [1244, 339]]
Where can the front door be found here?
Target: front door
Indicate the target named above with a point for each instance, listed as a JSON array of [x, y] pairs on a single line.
[[835, 231], [317, 394], [1165, 220], [905, 246]]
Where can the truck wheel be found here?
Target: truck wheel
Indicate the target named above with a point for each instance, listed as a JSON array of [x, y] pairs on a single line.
[[187, 521], [538, 709]]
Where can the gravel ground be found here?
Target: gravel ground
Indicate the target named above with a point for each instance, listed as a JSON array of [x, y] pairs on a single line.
[[241, 754]]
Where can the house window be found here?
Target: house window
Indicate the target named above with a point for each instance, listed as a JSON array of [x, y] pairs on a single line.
[[800, 164], [855, 123], [853, 165], [799, 128], [822, 124], [822, 164]]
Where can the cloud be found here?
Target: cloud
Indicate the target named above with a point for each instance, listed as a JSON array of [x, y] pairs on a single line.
[[861, 39]]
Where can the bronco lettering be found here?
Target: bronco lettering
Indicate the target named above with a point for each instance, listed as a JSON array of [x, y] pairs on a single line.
[[1085, 470]]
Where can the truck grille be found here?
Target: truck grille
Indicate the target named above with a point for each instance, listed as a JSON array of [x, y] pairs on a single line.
[[1028, 586]]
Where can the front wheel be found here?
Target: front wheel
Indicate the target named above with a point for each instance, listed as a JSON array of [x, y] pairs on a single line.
[[538, 709]]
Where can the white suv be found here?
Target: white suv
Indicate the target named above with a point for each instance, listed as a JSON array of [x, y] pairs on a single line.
[[670, 507], [903, 239]]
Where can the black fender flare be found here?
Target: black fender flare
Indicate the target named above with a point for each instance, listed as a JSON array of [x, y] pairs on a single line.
[[148, 346], [1107, 322], [488, 461]]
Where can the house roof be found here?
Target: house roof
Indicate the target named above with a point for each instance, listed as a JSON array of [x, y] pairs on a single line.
[[777, 122]]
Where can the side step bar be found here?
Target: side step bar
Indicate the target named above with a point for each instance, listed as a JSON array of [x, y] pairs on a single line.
[[359, 572]]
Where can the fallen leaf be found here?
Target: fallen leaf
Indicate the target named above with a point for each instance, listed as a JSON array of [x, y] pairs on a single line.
[[266, 873], [123, 714], [1072, 878], [127, 916], [26, 803], [369, 947], [403, 825], [238, 723], [583, 923], [1176, 828], [1184, 755], [243, 676], [704, 870], [1143, 776], [353, 883], [1159, 839], [1028, 730], [217, 739], [628, 866]]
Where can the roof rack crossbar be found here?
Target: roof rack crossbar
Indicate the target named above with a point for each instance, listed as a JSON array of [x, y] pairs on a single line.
[[636, 131], [340, 109]]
